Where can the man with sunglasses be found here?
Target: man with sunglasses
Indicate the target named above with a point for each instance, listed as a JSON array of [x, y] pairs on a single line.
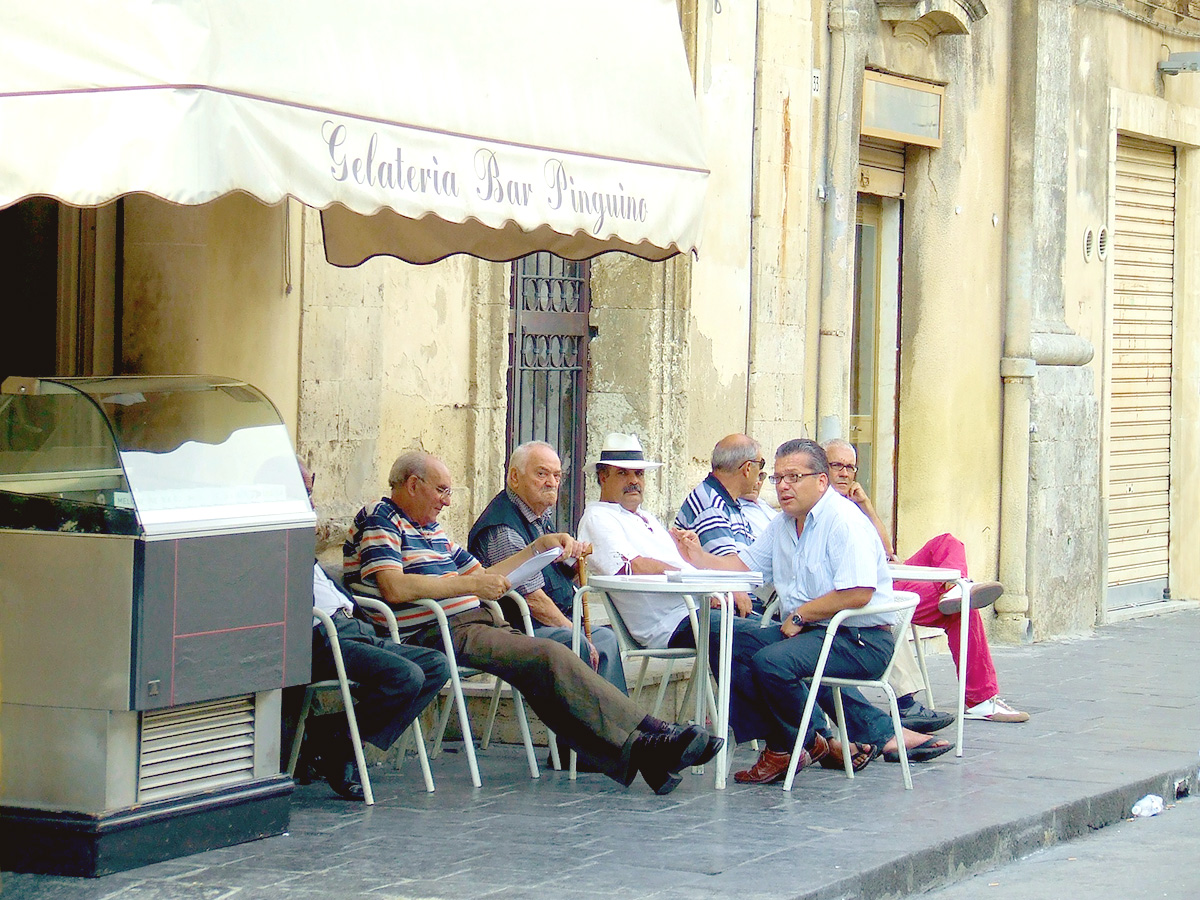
[[823, 556], [711, 509]]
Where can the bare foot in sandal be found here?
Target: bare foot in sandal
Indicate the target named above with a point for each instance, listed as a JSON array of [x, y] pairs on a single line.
[[860, 755]]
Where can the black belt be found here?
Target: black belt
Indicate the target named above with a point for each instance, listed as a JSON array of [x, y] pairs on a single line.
[[342, 611]]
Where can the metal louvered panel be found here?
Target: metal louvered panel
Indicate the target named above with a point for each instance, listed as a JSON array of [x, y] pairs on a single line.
[[185, 750], [1139, 460]]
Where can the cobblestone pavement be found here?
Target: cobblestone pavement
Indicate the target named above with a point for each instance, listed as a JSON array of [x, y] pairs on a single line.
[[1114, 717]]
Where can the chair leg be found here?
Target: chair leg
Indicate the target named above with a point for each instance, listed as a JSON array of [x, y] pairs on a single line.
[[843, 736], [298, 739], [465, 724], [439, 727], [662, 688], [898, 727], [493, 709], [555, 761], [919, 649], [523, 722], [804, 720], [637, 688], [352, 724]]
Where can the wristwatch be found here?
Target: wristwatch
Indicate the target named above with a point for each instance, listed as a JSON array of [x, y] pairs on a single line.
[[797, 621]]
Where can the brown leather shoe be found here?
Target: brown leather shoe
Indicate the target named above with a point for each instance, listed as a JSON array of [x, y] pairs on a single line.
[[769, 768]]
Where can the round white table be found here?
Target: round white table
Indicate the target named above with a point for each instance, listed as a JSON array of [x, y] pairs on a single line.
[[701, 586]]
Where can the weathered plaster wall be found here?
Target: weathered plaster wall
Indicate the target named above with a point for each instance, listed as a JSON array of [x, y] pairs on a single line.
[[205, 291], [397, 357], [783, 202], [719, 304]]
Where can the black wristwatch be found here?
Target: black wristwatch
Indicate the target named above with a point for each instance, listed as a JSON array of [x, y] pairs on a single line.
[[797, 621]]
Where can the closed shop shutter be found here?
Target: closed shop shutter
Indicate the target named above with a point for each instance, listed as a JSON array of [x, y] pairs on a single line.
[[1139, 449]]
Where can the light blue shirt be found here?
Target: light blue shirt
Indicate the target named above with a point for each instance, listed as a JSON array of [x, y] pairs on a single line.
[[838, 549]]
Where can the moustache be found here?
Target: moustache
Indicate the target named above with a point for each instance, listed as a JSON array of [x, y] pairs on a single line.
[[632, 489]]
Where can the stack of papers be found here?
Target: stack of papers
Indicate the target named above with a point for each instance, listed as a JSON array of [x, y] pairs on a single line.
[[687, 575]]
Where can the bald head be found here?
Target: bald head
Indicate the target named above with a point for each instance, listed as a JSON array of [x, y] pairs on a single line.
[[736, 462]]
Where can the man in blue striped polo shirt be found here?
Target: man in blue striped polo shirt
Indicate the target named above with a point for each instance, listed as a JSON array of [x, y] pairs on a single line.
[[712, 510]]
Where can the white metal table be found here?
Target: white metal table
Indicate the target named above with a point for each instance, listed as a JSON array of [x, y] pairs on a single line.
[[701, 586], [941, 576]]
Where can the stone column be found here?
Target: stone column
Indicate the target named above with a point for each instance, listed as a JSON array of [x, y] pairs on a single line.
[[1050, 497]]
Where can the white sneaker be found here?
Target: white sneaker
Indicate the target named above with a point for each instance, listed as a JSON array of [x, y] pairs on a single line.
[[995, 710]]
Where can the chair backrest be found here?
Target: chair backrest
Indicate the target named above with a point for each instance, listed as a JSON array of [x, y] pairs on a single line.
[[625, 640], [904, 605]]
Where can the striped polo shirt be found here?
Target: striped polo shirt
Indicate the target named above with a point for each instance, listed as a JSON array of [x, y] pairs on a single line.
[[383, 537]]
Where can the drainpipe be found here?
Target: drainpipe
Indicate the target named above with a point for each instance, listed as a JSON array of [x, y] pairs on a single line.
[[837, 257]]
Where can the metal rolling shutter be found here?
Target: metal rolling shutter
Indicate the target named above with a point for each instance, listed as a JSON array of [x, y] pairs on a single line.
[[1140, 376]]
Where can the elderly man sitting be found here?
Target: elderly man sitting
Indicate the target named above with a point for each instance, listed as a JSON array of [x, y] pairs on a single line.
[[519, 515], [397, 550]]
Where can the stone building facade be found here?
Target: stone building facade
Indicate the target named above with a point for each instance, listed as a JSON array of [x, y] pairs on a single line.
[[952, 297]]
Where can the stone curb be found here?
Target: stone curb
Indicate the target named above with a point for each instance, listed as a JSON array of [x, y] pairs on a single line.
[[979, 851]]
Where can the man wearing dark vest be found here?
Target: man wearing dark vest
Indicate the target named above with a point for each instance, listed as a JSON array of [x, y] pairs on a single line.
[[515, 518]]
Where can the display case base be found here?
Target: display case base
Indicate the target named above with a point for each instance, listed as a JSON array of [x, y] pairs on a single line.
[[89, 845]]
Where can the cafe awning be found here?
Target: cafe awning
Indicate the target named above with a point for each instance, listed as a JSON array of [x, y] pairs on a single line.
[[420, 129]]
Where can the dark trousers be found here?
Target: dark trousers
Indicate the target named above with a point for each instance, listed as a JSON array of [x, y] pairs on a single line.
[[767, 695], [394, 681], [583, 709]]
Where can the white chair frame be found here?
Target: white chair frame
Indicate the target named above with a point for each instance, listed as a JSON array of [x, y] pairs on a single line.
[[631, 649], [456, 699], [903, 607], [343, 684], [494, 707]]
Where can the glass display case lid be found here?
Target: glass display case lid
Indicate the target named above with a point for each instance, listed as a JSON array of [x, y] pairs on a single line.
[[151, 455]]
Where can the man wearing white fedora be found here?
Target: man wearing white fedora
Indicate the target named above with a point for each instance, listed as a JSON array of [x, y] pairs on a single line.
[[627, 540]]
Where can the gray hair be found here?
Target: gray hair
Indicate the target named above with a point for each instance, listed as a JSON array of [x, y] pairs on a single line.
[[727, 458], [839, 444], [521, 453], [408, 464], [811, 449]]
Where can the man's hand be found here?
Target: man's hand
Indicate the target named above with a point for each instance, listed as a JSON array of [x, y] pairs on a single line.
[[572, 549], [789, 628], [593, 654], [688, 543], [484, 585], [857, 494], [743, 604]]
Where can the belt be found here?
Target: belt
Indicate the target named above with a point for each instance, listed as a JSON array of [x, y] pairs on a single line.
[[343, 612]]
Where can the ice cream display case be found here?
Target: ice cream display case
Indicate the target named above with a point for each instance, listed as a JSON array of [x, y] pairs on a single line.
[[156, 547]]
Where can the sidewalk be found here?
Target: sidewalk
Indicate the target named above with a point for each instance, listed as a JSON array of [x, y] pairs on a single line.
[[1115, 716]]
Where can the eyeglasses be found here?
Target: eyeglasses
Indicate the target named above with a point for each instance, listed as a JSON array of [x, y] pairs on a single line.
[[844, 467], [791, 477], [761, 463], [443, 492], [762, 476]]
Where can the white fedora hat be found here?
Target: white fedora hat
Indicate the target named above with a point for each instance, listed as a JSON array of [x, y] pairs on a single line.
[[625, 452]]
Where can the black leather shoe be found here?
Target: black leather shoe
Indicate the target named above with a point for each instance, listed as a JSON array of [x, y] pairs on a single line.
[[711, 749], [925, 720], [345, 781], [660, 757]]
